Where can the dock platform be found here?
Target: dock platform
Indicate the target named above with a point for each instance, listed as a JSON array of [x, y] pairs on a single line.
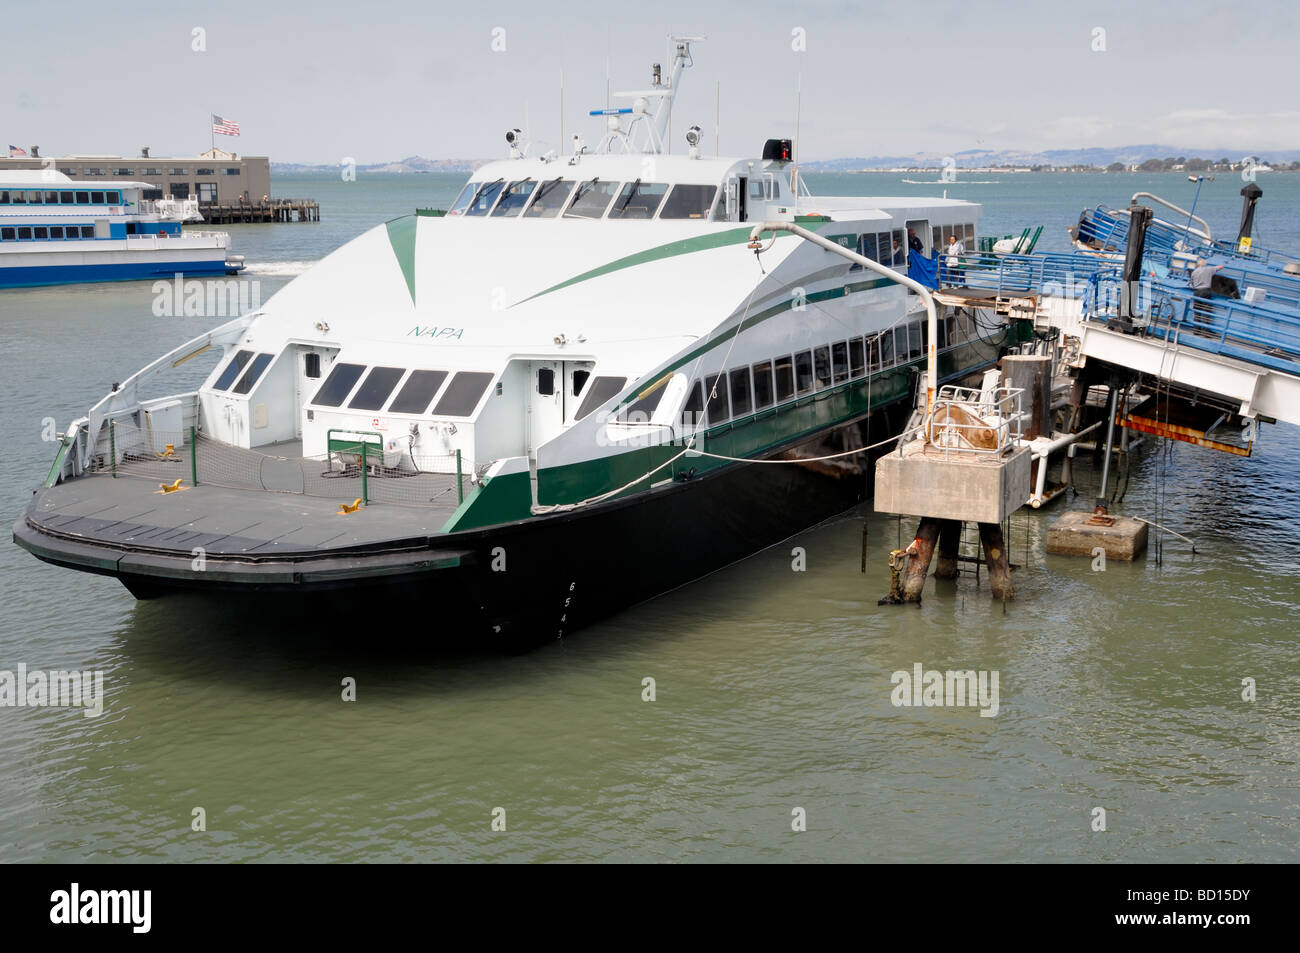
[[273, 210]]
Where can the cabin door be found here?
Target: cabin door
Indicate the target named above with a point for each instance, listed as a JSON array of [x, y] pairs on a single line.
[[312, 361], [737, 195], [920, 228], [545, 403], [576, 375]]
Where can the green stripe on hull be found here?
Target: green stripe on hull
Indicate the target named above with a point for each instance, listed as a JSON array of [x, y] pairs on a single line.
[[401, 235], [732, 236]]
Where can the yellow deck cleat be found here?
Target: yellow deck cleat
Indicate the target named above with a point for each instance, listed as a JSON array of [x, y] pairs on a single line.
[[173, 487], [169, 451], [344, 509]]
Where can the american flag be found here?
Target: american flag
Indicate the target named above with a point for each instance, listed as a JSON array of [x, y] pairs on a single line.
[[224, 127], [15, 151]]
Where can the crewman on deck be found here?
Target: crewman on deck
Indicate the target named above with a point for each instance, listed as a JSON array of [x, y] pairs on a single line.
[[1202, 281], [1202, 278]]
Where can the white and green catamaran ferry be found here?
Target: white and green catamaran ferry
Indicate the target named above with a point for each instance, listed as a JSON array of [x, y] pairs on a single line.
[[534, 408]]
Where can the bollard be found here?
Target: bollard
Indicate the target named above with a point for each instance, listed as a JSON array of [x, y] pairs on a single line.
[[897, 560]]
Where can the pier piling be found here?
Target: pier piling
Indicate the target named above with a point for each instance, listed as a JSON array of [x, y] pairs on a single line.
[[945, 566], [995, 558], [921, 552]]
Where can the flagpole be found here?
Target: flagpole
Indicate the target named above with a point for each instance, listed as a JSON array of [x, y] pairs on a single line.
[[212, 134]]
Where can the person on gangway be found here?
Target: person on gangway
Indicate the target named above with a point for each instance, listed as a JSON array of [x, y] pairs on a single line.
[[955, 272]]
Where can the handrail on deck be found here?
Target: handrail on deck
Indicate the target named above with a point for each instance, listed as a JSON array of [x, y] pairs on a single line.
[[1206, 233]]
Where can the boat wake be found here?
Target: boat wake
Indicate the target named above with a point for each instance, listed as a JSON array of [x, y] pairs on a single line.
[[278, 269], [953, 182]]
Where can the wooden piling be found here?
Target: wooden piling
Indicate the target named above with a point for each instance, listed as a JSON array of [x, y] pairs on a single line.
[[949, 545], [995, 558], [921, 552]]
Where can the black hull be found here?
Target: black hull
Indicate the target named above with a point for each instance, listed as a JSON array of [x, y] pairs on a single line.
[[525, 583]]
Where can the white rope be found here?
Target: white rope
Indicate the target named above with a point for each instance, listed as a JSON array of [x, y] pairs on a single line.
[[831, 456]]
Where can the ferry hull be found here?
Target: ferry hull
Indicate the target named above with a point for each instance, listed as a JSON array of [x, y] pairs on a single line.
[[520, 584], [26, 276]]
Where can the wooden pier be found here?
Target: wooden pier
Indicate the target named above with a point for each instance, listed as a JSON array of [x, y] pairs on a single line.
[[272, 210]]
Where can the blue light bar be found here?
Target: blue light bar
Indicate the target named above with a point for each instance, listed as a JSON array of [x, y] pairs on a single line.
[[622, 111]]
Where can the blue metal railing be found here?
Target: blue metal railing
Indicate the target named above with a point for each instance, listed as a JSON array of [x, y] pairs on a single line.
[[1108, 228], [1056, 273], [1256, 333]]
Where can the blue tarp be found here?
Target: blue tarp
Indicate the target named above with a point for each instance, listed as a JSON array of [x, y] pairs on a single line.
[[924, 271]]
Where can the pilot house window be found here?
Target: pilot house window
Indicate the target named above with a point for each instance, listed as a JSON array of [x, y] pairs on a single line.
[[639, 200], [689, 201]]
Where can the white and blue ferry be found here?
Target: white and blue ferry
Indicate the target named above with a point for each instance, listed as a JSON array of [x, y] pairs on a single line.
[[54, 230]]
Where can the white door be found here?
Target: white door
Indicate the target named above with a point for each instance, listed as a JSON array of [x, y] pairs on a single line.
[[545, 403], [576, 376], [312, 366]]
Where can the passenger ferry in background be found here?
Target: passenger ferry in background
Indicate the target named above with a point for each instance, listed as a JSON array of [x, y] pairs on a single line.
[[54, 230], [595, 377]]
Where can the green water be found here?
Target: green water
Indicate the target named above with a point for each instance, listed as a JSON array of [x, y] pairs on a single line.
[[1119, 689]]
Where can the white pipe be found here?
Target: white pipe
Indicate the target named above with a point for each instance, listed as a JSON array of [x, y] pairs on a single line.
[[932, 322], [1042, 453], [1181, 211]]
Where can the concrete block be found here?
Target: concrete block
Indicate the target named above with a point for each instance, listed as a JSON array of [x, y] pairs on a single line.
[[1073, 535], [974, 488]]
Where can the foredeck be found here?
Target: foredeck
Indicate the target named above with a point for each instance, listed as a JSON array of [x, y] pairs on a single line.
[[133, 513]]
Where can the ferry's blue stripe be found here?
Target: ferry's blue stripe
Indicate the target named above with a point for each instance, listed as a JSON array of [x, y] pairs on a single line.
[[20, 277]]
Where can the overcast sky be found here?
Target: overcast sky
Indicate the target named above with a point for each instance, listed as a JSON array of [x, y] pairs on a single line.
[[318, 81]]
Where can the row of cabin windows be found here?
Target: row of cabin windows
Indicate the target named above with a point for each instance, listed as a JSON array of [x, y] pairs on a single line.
[[460, 398], [377, 384], [59, 197], [744, 390], [591, 199], [888, 248], [22, 233], [416, 395]]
